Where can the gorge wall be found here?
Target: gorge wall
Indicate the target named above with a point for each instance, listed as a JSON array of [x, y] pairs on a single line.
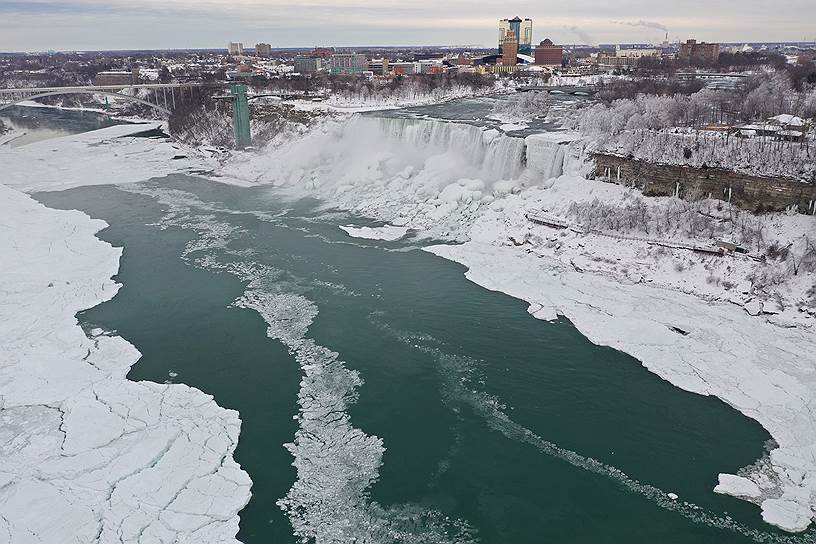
[[752, 193]]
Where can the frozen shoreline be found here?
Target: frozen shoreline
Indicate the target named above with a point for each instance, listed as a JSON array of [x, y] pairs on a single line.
[[87, 454]]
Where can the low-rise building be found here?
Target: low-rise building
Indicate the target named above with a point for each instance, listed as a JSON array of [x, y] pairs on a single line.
[[636, 53], [308, 65], [348, 64], [117, 77], [405, 68], [624, 58], [379, 67]]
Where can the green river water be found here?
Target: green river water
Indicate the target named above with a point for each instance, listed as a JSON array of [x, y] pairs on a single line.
[[499, 428]]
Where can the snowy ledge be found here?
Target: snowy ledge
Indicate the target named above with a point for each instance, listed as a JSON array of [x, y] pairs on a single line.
[[88, 456]]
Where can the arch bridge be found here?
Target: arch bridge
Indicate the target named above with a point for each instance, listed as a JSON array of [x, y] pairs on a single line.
[[165, 98]]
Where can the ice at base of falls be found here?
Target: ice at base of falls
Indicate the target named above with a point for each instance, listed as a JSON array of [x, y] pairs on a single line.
[[388, 233]]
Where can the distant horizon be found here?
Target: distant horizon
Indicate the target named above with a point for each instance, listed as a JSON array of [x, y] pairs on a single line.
[[117, 25], [251, 46]]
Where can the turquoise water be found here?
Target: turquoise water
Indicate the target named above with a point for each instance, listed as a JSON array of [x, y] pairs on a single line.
[[35, 124], [498, 428]]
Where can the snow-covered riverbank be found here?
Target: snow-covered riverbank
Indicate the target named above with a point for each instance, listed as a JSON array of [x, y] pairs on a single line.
[[86, 454]]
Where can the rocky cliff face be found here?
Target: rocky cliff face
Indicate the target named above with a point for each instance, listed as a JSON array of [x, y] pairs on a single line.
[[753, 193]]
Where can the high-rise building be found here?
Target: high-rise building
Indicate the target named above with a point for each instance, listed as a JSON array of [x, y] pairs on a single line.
[[236, 49], [510, 49], [700, 52], [523, 29], [549, 54], [263, 50]]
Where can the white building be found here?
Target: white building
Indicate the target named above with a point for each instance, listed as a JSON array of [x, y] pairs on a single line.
[[636, 53], [236, 49]]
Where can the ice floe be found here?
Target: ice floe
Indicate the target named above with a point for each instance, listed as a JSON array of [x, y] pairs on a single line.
[[388, 233]]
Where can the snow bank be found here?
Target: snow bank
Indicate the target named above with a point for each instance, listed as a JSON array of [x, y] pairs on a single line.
[[86, 454], [403, 97]]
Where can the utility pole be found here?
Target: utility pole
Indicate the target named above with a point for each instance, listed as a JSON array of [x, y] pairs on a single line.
[[240, 116]]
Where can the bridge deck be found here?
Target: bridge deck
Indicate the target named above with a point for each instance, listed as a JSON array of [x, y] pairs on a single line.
[[38, 90]]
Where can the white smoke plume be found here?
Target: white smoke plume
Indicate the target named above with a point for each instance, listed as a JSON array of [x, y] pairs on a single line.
[[582, 34], [644, 24]]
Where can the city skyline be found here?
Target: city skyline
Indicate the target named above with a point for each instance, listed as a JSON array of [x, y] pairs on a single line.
[[37, 25]]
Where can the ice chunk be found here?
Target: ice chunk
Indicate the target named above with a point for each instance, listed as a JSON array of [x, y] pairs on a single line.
[[737, 486]]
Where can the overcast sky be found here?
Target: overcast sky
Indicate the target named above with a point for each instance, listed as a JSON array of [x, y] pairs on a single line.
[[30, 25]]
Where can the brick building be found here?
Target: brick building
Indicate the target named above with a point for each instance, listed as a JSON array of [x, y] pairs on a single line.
[[692, 51], [548, 54], [510, 49], [116, 77]]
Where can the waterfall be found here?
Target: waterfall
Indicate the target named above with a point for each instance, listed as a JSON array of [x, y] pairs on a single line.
[[409, 159], [545, 156], [491, 154]]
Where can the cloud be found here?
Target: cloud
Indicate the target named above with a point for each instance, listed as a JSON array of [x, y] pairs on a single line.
[[158, 24], [644, 24]]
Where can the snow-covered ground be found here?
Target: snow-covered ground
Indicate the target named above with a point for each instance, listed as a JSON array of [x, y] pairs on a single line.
[[86, 454], [727, 326]]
